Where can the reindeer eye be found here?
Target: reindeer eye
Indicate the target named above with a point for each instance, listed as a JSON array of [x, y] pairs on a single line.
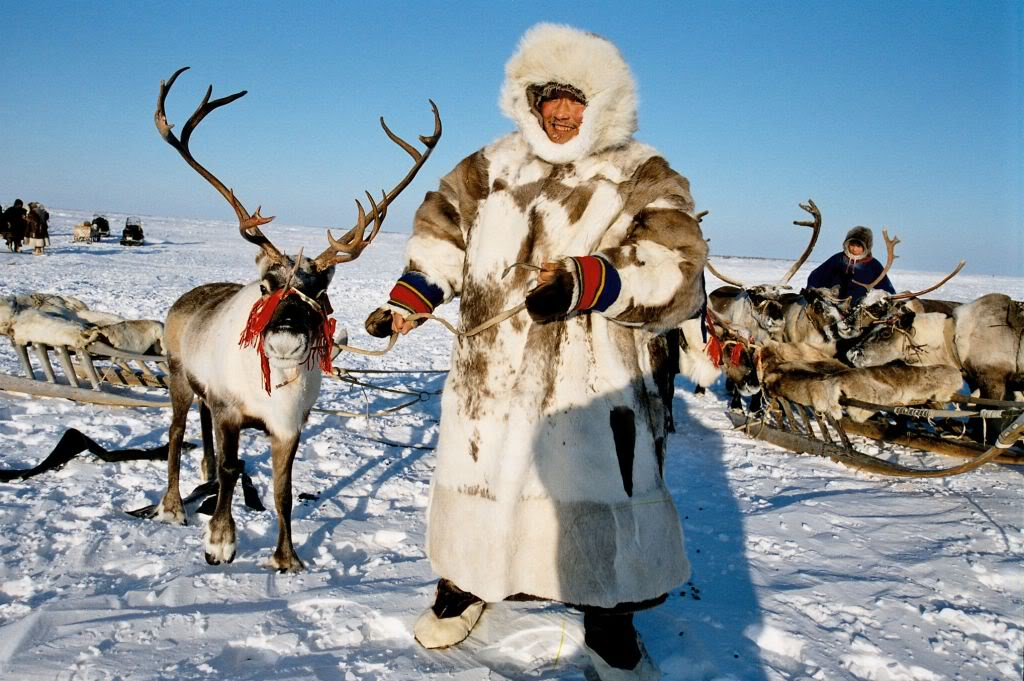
[[265, 287]]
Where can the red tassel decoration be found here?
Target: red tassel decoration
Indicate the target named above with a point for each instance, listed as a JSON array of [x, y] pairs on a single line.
[[736, 354], [252, 335], [260, 315], [321, 345], [714, 350]]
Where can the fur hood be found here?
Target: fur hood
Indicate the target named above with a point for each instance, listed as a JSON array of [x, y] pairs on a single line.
[[863, 235], [552, 53]]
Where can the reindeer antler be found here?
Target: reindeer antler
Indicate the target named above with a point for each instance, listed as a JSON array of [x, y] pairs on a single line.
[[349, 246], [815, 225], [915, 294], [890, 258], [248, 225], [727, 280]]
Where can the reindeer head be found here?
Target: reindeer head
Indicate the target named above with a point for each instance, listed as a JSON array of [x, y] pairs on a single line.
[[885, 342], [290, 322], [828, 312], [766, 300]]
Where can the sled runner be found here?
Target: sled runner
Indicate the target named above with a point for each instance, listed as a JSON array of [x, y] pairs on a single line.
[[946, 431]]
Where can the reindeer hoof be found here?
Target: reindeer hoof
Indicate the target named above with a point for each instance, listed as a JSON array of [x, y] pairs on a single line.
[[220, 543], [213, 559], [283, 565], [169, 514]]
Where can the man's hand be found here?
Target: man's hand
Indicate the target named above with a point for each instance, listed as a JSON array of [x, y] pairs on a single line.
[[401, 325], [551, 297], [383, 322]]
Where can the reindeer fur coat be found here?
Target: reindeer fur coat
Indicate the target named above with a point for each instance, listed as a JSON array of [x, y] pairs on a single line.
[[550, 456]]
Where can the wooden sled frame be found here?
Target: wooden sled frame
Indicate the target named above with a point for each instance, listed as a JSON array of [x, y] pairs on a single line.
[[802, 430], [97, 374]]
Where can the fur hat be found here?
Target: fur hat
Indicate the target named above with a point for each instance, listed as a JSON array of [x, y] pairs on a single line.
[[863, 236], [552, 54]]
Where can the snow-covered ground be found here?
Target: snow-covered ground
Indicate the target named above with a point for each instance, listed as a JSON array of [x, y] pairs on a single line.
[[802, 569]]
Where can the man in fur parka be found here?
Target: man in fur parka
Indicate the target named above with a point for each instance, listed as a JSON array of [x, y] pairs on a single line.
[[548, 482]]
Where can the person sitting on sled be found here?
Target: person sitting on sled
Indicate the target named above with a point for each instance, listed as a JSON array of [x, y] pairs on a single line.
[[548, 483], [853, 264]]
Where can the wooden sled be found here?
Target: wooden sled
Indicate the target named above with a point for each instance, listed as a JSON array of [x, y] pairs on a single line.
[[97, 374], [802, 430]]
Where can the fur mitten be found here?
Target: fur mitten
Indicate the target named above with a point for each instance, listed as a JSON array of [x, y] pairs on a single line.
[[579, 284]]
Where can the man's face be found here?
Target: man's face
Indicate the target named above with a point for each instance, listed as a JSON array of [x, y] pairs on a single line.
[[855, 247], [562, 117]]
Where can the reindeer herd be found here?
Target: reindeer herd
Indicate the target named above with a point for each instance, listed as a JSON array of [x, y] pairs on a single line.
[[816, 348]]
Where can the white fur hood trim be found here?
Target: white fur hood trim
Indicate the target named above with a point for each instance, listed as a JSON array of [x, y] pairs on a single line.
[[563, 54]]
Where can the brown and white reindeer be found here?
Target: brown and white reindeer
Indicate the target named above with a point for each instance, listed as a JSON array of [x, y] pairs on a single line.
[[759, 311], [984, 339], [253, 354], [738, 316]]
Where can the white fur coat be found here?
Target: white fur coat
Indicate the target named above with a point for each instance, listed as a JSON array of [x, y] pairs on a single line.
[[550, 456]]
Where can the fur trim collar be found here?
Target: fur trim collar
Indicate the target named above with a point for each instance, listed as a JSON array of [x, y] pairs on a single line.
[[562, 54], [863, 235]]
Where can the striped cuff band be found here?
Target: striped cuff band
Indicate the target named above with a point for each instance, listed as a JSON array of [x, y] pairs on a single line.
[[597, 283], [414, 293]]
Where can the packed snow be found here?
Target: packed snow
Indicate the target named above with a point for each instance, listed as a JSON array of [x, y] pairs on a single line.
[[802, 569]]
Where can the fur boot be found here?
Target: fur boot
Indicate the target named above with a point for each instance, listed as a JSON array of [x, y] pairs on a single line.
[[616, 650], [450, 619]]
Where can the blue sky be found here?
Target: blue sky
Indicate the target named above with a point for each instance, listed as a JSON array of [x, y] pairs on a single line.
[[906, 115]]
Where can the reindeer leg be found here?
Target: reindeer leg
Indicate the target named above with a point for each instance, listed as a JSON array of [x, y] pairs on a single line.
[[283, 454], [170, 509], [992, 386], [209, 465], [221, 540]]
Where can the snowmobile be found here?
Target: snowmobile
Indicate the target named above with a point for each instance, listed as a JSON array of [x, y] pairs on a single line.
[[102, 225], [132, 234]]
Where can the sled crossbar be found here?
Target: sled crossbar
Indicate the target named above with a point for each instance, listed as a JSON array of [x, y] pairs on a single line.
[[96, 374]]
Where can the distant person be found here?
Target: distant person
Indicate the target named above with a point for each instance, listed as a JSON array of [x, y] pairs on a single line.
[[15, 219], [37, 232], [853, 264]]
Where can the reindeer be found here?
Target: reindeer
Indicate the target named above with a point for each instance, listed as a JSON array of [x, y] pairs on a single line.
[[252, 354], [758, 311], [738, 316], [983, 339]]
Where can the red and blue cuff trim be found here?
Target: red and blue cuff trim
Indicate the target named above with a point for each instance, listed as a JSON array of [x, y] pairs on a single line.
[[414, 293], [598, 283]]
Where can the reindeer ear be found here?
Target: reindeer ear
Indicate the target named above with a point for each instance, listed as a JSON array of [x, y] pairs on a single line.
[[835, 291]]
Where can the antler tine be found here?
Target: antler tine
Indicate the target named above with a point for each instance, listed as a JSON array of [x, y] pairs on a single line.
[[815, 225], [890, 258], [915, 294], [348, 247], [352, 243], [727, 280], [249, 225]]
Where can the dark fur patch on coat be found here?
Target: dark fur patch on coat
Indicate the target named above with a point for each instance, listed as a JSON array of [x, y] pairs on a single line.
[[655, 179], [438, 218], [624, 434]]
